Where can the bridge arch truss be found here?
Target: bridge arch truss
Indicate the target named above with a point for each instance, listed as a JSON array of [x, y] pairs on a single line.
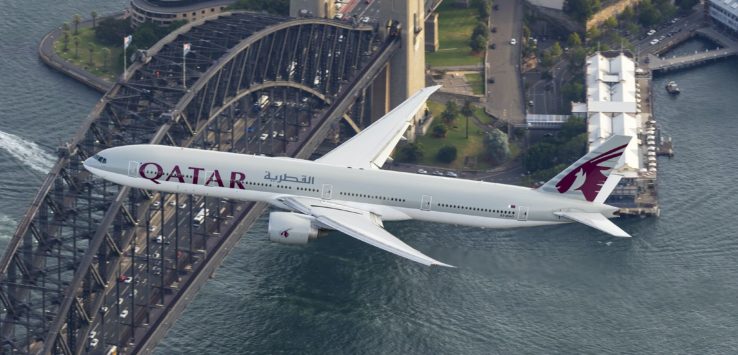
[[59, 276]]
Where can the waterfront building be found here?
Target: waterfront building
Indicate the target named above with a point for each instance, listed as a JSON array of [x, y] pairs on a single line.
[[164, 12], [724, 12], [612, 107]]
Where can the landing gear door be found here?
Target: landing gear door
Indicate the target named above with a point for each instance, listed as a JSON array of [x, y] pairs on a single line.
[[522, 213], [133, 167], [425, 203]]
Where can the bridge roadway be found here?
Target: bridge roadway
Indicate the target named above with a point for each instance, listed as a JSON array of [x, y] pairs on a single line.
[[85, 263]]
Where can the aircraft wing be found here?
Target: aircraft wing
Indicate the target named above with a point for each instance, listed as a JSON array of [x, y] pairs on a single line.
[[356, 223], [371, 147]]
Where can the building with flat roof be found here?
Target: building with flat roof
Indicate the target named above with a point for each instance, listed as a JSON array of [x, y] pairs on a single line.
[[612, 106], [724, 12], [164, 12]]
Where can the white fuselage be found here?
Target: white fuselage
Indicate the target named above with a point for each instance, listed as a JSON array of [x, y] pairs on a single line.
[[388, 194]]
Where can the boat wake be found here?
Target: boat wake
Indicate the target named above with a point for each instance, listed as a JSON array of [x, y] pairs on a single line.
[[29, 153]]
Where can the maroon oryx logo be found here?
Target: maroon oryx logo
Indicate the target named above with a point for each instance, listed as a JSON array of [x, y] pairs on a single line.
[[589, 175], [285, 233]]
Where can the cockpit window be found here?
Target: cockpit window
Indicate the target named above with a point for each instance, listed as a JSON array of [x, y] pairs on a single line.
[[100, 158]]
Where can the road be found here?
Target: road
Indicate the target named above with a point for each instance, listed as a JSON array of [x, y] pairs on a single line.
[[505, 95]]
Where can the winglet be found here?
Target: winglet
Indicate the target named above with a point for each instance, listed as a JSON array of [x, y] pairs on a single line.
[[596, 221]]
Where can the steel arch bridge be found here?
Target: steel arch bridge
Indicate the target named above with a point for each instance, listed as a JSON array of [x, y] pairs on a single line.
[[85, 263]]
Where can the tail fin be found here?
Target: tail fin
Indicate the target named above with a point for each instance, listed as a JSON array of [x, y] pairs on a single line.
[[584, 179]]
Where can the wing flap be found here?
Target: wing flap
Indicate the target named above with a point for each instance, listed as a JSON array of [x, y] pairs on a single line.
[[358, 224], [596, 221]]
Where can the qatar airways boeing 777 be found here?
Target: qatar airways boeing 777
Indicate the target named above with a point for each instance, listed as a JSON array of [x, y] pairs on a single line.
[[345, 190]]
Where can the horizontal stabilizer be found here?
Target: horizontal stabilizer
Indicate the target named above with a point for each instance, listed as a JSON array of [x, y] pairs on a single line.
[[596, 221]]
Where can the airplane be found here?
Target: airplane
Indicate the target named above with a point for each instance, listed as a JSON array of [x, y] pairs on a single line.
[[346, 190]]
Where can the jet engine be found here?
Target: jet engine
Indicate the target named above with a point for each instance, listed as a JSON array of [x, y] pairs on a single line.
[[291, 228]]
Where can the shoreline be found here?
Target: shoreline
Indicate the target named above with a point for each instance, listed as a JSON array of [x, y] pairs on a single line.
[[51, 59]]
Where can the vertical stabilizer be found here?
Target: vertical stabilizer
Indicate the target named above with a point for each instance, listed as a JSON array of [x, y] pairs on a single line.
[[584, 179]]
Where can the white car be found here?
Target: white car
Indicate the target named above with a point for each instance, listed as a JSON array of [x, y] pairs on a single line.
[[365, 19], [339, 16], [452, 174], [422, 171], [654, 41], [264, 136], [513, 41], [651, 32], [128, 279], [94, 342], [124, 313]]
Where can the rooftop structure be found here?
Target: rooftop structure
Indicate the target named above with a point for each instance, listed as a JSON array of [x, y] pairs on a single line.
[[612, 105], [725, 12], [164, 12]]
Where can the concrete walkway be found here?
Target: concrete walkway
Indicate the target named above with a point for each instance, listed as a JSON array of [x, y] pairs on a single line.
[[50, 58]]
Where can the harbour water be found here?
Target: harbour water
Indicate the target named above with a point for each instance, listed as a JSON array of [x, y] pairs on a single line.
[[569, 289]]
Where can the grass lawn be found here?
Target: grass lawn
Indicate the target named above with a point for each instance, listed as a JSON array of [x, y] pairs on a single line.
[[456, 136], [455, 26], [100, 66], [476, 83]]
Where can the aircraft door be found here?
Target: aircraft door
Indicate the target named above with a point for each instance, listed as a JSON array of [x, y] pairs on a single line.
[[327, 191], [133, 167], [425, 203], [522, 213]]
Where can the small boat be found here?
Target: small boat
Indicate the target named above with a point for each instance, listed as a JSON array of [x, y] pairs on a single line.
[[672, 88]]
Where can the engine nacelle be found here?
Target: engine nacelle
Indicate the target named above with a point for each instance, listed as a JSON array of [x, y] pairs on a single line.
[[291, 228]]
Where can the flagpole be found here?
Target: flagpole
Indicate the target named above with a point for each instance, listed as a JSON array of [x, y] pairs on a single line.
[[184, 66], [125, 67]]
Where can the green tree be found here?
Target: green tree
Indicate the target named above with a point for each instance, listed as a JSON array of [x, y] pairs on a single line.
[[446, 154], [76, 19], [485, 9], [409, 153], [93, 14], [579, 10], [526, 31], [439, 131], [281, 7], [467, 109], [478, 44], [480, 29], [686, 5], [556, 50], [572, 128], [540, 156], [76, 47], [649, 15], [573, 91], [91, 50], [451, 111], [574, 40], [611, 22], [65, 40], [497, 146], [110, 31], [106, 56]]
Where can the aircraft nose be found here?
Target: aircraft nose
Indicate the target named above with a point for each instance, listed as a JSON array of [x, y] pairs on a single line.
[[89, 162]]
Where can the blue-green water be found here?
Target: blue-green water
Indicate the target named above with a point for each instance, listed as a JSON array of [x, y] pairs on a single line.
[[670, 289]]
